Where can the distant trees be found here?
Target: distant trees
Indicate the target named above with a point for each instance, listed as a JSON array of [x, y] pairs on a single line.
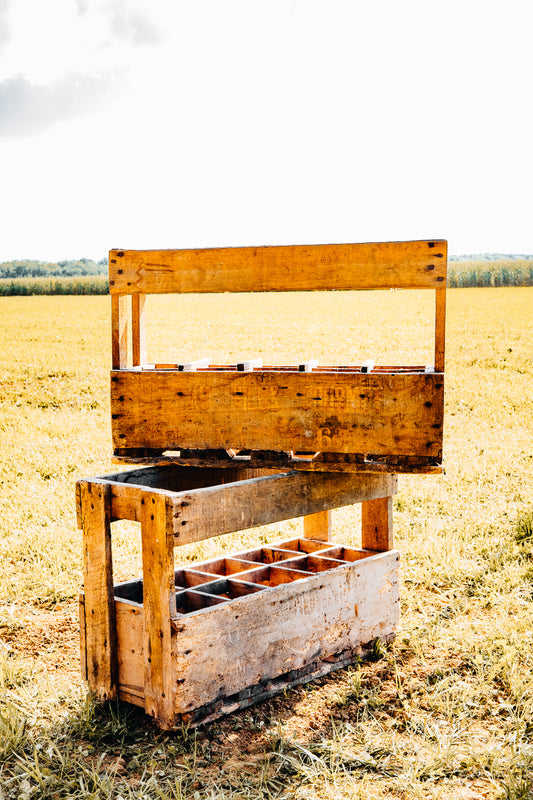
[[61, 269]]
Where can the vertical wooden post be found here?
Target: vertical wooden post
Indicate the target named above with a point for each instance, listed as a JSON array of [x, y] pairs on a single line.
[[159, 604], [376, 520], [119, 331], [318, 526], [440, 328], [138, 329], [99, 605]]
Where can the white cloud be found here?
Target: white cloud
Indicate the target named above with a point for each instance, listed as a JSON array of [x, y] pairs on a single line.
[[5, 31], [131, 24], [27, 108]]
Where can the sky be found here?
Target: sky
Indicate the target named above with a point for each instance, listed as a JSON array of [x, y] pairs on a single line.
[[202, 123]]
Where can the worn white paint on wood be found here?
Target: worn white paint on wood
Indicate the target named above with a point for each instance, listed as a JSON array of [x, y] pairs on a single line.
[[226, 648]]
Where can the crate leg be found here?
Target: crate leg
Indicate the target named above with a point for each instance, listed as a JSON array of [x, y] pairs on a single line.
[[318, 526], [99, 605], [159, 605], [376, 518]]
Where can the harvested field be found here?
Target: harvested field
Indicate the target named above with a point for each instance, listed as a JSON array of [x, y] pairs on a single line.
[[446, 712]]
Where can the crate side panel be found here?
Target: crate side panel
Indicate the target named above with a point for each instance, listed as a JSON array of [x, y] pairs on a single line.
[[129, 620], [260, 637], [374, 413]]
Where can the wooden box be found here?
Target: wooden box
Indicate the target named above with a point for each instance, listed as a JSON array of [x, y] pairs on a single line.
[[308, 417], [191, 642]]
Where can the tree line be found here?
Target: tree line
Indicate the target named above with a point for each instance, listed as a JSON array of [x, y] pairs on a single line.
[[27, 268]]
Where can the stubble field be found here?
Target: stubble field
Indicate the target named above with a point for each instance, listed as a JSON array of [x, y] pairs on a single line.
[[446, 712]]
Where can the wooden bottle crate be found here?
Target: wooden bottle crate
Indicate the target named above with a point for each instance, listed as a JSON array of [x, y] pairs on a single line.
[[191, 642], [317, 418]]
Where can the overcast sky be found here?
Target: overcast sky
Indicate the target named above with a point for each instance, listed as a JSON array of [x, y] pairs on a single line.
[[165, 123]]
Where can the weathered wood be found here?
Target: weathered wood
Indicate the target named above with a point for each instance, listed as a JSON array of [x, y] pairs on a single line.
[[83, 637], [213, 511], [159, 604], [138, 329], [379, 414], [259, 637], [130, 647], [248, 503], [376, 522], [440, 328], [100, 634], [119, 331], [318, 526], [268, 688], [263, 690], [344, 462], [382, 265]]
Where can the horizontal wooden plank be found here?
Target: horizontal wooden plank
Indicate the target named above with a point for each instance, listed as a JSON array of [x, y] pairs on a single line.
[[236, 645], [213, 511], [317, 412], [373, 265], [226, 507]]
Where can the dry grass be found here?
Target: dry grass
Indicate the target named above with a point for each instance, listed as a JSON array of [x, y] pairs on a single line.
[[446, 713]]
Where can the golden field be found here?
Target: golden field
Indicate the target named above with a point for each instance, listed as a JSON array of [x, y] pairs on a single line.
[[446, 712]]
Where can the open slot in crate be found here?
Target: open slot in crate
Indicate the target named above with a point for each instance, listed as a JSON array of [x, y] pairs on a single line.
[[310, 417], [190, 642]]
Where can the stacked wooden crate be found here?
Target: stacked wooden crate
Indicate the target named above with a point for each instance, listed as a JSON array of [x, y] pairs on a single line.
[[231, 447]]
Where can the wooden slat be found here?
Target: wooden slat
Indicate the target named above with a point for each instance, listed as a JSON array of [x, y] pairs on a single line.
[[440, 328], [318, 526], [213, 511], [379, 414], [159, 604], [381, 265], [138, 329], [119, 331], [376, 522], [100, 633], [228, 506], [130, 645]]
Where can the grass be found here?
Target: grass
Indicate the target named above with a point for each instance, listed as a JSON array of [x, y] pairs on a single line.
[[444, 713]]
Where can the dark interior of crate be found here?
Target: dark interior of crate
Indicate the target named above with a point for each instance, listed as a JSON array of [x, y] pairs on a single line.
[[231, 577]]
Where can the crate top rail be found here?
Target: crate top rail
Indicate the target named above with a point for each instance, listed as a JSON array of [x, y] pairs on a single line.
[[310, 416]]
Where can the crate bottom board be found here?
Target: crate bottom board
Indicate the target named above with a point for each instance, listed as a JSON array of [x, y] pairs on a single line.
[[266, 689]]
